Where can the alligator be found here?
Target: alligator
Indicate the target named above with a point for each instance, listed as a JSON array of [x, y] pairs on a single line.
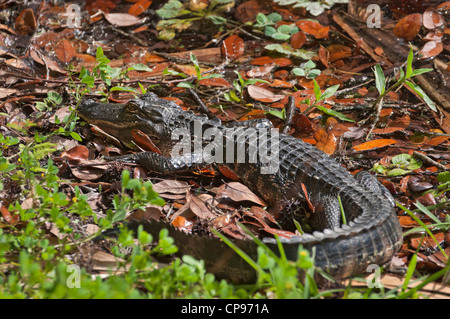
[[354, 221]]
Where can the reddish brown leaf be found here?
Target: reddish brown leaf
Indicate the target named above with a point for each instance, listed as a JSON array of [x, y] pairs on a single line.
[[434, 35], [144, 141], [263, 95], [139, 7], [396, 125], [262, 60], [323, 56], [233, 47], [178, 222], [282, 62], [370, 145], [279, 232], [26, 22], [282, 84], [408, 27], [298, 40], [218, 82], [305, 192], [444, 6], [325, 141], [338, 51], [432, 19], [260, 71], [431, 49], [313, 28], [228, 173], [77, 153], [9, 218], [426, 242]]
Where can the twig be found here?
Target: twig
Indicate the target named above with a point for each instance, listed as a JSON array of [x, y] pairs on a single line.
[[425, 158], [201, 106]]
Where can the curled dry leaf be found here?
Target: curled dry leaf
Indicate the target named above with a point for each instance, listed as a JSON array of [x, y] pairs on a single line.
[[370, 145], [9, 218], [26, 22], [239, 192], [260, 70], [77, 153], [431, 49], [432, 19], [434, 35], [263, 95], [408, 27], [198, 206], [233, 47], [122, 19]]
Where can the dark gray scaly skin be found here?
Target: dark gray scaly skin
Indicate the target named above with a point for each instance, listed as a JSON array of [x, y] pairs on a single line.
[[372, 234]]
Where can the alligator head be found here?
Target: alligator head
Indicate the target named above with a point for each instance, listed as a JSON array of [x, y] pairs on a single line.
[[147, 114]]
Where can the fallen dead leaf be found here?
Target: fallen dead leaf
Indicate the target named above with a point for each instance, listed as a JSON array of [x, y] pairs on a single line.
[[263, 95], [432, 19], [431, 49], [233, 47], [393, 126], [171, 186], [374, 144], [239, 192], [408, 27], [122, 19]]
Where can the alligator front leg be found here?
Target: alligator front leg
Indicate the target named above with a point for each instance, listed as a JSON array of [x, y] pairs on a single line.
[[160, 164]]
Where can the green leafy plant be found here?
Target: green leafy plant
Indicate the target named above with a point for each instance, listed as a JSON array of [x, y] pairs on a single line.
[[307, 70], [52, 99], [282, 33], [177, 16], [401, 164], [380, 82], [321, 96]]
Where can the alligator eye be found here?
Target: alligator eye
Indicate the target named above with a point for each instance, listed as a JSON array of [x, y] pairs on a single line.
[[132, 107]]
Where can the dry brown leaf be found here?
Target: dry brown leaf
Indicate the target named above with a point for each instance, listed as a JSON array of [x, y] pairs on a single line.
[[432, 19], [122, 19], [408, 27], [139, 7], [77, 153], [431, 49], [233, 47], [171, 186], [263, 95], [396, 125], [239, 192], [370, 145], [260, 71], [26, 22], [326, 141], [298, 40], [199, 208], [9, 218]]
